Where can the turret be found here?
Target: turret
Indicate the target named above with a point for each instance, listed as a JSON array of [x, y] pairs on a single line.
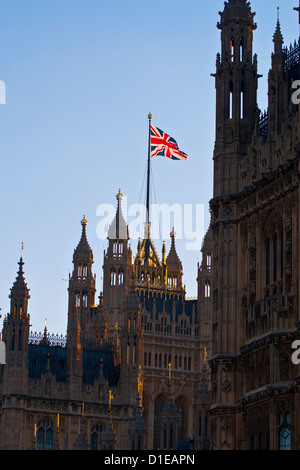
[[236, 84], [15, 377], [116, 268]]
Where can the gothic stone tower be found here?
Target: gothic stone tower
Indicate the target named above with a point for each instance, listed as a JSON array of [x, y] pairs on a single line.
[[14, 392], [255, 223], [236, 85]]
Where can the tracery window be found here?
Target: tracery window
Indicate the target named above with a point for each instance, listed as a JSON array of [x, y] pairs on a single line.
[[45, 435], [284, 429], [182, 417], [95, 436], [158, 406]]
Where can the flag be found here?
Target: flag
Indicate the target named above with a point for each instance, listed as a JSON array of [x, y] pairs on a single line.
[[163, 145]]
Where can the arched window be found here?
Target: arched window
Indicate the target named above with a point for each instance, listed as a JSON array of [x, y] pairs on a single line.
[[242, 102], [231, 101], [182, 417], [208, 260], [95, 436], [78, 299], [241, 49], [207, 289], [85, 272], [121, 277], [79, 271], [45, 435], [113, 277], [232, 49], [158, 406], [284, 430], [85, 300]]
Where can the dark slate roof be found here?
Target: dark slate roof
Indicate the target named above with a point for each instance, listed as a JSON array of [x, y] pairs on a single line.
[[38, 359], [91, 363], [169, 300]]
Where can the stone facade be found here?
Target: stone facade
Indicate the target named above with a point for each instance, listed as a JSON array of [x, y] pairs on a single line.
[[255, 224], [128, 374]]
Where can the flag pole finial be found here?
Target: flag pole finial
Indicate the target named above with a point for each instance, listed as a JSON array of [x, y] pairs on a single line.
[[150, 116]]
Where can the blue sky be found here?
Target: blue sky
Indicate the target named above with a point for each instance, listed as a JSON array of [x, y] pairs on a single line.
[[81, 77]]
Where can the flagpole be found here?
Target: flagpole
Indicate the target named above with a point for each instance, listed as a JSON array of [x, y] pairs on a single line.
[[147, 234]]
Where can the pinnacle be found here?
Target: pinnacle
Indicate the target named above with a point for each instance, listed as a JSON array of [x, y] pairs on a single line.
[[118, 228], [83, 249], [20, 286]]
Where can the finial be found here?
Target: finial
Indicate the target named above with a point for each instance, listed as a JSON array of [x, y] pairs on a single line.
[[84, 222], [278, 9], [150, 116], [170, 371], [173, 233], [119, 195], [22, 249]]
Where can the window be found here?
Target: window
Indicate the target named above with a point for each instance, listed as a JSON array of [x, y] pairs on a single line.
[[95, 436], [121, 277], [284, 432], [182, 415], [241, 49], [232, 50], [158, 406], [207, 289], [242, 103], [85, 300], [45, 435], [85, 272], [113, 277], [79, 271], [231, 101], [208, 260]]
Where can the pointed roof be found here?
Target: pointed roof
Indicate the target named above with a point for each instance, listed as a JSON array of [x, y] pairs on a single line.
[[137, 422], [169, 410], [81, 442], [83, 252], [107, 437], [278, 38], [173, 262], [118, 229], [19, 287]]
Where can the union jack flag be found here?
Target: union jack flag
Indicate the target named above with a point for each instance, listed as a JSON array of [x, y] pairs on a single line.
[[163, 145]]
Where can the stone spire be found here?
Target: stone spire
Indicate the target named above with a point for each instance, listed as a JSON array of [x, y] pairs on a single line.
[[118, 229], [278, 37], [20, 287], [173, 261], [83, 252]]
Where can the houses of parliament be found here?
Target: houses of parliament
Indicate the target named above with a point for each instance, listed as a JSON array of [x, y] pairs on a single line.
[[144, 367]]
